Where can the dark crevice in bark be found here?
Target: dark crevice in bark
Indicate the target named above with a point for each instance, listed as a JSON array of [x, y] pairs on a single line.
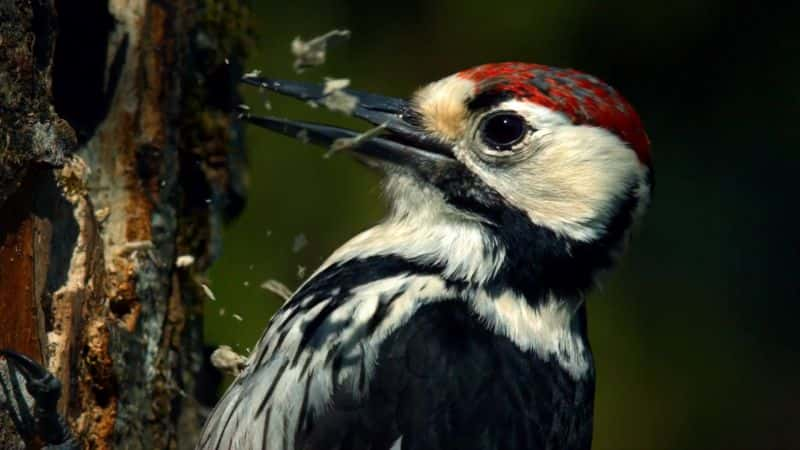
[[41, 25], [80, 93]]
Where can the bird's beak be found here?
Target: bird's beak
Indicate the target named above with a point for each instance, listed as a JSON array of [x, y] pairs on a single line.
[[398, 141]]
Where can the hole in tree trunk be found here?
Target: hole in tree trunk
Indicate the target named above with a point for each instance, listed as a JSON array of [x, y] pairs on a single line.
[[81, 95], [42, 28]]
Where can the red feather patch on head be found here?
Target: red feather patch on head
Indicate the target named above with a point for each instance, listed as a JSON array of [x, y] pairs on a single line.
[[581, 97]]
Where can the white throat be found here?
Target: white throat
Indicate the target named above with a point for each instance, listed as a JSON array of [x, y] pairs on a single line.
[[423, 228]]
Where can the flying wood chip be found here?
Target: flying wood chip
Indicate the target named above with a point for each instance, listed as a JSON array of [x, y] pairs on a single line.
[[312, 53]]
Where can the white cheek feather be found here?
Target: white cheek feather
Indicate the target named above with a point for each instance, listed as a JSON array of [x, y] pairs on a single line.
[[569, 179]]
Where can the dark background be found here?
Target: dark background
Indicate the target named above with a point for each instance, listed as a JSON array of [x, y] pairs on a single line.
[[695, 333]]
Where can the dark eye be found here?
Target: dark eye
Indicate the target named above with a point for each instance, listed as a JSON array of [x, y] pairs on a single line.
[[502, 130]]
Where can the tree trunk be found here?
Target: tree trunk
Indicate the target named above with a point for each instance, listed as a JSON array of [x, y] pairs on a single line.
[[118, 154]]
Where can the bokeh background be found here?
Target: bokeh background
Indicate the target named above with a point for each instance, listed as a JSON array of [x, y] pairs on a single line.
[[695, 335]]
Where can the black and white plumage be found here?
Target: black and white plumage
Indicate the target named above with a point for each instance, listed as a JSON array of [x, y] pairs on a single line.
[[458, 322]]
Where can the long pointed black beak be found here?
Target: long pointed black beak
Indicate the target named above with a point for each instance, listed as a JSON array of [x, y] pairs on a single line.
[[402, 141]]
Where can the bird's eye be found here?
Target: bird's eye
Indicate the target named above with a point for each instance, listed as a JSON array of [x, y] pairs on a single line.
[[503, 129]]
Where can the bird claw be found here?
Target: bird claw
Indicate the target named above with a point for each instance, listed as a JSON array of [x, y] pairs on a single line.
[[44, 421]]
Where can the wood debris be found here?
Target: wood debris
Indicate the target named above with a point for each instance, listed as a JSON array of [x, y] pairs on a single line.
[[334, 84], [300, 241], [255, 73], [347, 143], [228, 361], [340, 101], [312, 53], [277, 288], [208, 292], [184, 261]]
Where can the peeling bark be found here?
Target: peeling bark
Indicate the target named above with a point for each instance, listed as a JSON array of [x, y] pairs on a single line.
[[117, 154]]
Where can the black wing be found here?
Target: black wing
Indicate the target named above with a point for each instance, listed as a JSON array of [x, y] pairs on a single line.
[[444, 381]]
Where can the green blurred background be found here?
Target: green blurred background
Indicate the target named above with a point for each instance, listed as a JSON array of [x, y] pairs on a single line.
[[694, 334]]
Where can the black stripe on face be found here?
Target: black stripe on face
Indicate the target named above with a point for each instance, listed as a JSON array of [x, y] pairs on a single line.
[[538, 260], [488, 99]]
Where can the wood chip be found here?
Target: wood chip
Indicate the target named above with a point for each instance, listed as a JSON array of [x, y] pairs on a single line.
[[340, 101], [207, 291], [277, 288], [347, 143], [300, 242], [184, 261], [313, 52], [255, 73], [228, 361], [334, 84]]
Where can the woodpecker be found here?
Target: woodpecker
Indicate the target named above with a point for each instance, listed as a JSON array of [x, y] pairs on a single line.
[[459, 321]]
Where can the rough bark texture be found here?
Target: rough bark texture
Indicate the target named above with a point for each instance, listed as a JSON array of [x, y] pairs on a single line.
[[117, 154]]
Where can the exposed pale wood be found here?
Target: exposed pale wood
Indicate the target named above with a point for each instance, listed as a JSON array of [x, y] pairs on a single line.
[[89, 233]]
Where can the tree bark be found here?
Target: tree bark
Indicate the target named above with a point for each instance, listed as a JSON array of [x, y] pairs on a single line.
[[118, 153]]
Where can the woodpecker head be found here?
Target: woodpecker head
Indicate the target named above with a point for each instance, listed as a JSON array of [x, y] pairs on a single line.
[[504, 144]]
